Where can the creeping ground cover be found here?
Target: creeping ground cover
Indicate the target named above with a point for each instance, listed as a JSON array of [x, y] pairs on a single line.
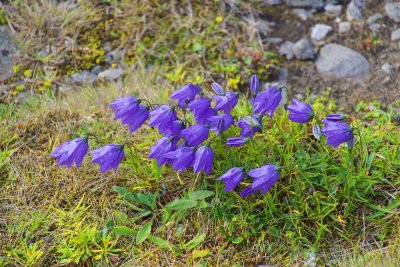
[[210, 177]]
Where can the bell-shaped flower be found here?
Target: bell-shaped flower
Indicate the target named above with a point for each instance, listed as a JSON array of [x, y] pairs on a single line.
[[300, 112], [218, 89], [203, 159], [337, 133], [186, 94], [108, 157], [226, 102], [267, 101], [316, 130], [250, 125], [130, 112], [163, 117], [201, 109], [336, 117], [70, 151], [196, 134], [232, 178], [175, 129], [254, 85], [182, 158], [264, 178], [161, 148], [220, 123], [237, 141]]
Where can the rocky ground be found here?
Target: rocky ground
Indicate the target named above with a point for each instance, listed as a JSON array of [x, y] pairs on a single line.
[[351, 47]]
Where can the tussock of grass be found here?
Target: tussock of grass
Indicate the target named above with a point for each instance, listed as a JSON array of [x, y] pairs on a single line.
[[323, 205]]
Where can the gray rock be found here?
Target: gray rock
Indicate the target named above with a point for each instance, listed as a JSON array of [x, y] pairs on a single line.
[[304, 50], [344, 27], [320, 31], [341, 62], [8, 54], [274, 40], [286, 49], [355, 9], [283, 75], [305, 3], [393, 11], [114, 56], [387, 68], [96, 70], [274, 2], [395, 35], [375, 27], [302, 13], [83, 77], [111, 73], [334, 9], [374, 18]]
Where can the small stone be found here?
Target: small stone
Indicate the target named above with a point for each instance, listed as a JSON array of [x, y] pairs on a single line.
[[274, 2], [374, 18], [286, 49], [283, 75], [302, 13], [96, 70], [320, 31], [8, 54], [306, 3], [375, 27], [334, 9], [84, 77], [344, 27], [304, 50], [274, 40], [114, 56], [355, 10], [395, 35], [111, 73], [393, 11], [341, 62], [387, 68]]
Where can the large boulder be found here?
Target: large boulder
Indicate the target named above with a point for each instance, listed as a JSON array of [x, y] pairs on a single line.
[[341, 62], [8, 54]]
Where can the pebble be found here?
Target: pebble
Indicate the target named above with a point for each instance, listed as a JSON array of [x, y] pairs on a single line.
[[341, 62], [306, 3], [387, 68], [274, 40], [374, 18], [334, 9], [111, 73], [393, 11], [304, 50], [344, 27], [302, 13], [8, 54], [286, 49], [274, 2], [354, 10], [375, 27], [83, 77], [395, 35], [320, 31]]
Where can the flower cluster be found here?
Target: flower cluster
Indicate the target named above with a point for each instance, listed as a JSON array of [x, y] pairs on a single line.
[[186, 141]]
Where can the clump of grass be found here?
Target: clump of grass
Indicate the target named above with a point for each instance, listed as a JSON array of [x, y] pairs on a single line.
[[323, 204]]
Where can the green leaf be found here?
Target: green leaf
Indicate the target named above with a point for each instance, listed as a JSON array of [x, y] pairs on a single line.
[[182, 204], [144, 232], [141, 215], [201, 194], [200, 253], [196, 47], [237, 240], [123, 192], [161, 243], [196, 241], [123, 230]]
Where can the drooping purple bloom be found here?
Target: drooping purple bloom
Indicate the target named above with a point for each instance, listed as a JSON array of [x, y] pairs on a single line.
[[267, 101], [337, 132], [264, 178], [108, 157], [162, 117], [203, 118], [203, 159], [232, 178], [254, 85], [218, 89], [175, 129], [196, 134], [186, 93], [250, 125], [70, 151], [300, 112], [220, 123], [201, 108], [237, 141], [336, 117], [161, 148], [130, 112], [316, 130], [182, 158], [226, 102]]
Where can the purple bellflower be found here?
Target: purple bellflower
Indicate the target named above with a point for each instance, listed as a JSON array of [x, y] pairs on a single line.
[[70, 151], [203, 159], [220, 123], [131, 113], [267, 101], [254, 85], [250, 125], [182, 158], [162, 117], [336, 117], [237, 141], [232, 178], [186, 94], [218, 89], [196, 134], [264, 178], [226, 102], [203, 118], [175, 129], [161, 148], [108, 157], [201, 109], [316, 130], [337, 133], [300, 112]]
